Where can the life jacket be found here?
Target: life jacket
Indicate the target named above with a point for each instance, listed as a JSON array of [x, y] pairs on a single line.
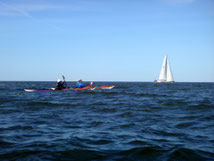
[[80, 85]]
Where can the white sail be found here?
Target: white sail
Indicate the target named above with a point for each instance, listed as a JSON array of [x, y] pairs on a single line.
[[163, 73], [169, 77], [166, 73]]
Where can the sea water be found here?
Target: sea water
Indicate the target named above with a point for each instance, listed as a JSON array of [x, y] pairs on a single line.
[[133, 121]]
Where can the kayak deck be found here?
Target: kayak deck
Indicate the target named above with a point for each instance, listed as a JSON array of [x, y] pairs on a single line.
[[83, 88]]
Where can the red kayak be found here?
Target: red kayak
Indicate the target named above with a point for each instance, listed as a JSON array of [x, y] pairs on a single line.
[[75, 88]]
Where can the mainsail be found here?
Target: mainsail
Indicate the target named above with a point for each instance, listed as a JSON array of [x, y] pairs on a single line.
[[166, 73]]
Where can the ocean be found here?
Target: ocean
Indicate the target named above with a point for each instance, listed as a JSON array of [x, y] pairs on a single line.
[[133, 121]]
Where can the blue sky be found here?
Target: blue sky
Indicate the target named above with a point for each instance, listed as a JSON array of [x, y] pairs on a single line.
[[106, 40]]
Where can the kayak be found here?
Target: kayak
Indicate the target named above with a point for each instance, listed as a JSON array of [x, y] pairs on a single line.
[[49, 89], [75, 88], [65, 89], [105, 87]]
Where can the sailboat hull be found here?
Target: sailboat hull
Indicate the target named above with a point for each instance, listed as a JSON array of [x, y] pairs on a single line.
[[164, 82]]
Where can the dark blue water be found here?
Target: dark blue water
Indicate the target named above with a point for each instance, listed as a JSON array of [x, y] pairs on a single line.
[[133, 121]]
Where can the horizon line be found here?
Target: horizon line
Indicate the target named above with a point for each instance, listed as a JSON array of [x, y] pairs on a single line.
[[103, 81]]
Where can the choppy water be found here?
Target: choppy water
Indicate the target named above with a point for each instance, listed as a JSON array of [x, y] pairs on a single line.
[[133, 121]]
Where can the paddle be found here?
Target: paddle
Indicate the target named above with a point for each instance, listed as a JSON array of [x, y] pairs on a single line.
[[64, 80]]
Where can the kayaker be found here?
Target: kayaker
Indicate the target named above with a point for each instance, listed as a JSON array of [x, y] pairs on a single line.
[[59, 85], [80, 84]]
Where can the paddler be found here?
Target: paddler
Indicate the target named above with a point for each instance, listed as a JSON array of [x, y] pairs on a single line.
[[80, 84], [60, 85]]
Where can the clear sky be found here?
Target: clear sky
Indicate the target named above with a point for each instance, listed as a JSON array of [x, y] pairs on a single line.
[[106, 40]]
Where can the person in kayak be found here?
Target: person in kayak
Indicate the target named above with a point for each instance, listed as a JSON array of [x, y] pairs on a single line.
[[80, 84], [59, 85]]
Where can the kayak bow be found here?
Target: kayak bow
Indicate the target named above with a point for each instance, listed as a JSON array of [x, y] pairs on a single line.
[[105, 87]]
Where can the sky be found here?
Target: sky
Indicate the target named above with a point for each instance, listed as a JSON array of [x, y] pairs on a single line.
[[106, 40]]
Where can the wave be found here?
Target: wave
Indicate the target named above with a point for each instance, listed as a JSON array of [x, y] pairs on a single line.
[[151, 95], [133, 154], [201, 106], [185, 125], [3, 89], [5, 144], [106, 110], [47, 104], [189, 154], [16, 127]]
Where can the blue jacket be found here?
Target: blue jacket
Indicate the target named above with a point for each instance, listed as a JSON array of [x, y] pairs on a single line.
[[79, 85]]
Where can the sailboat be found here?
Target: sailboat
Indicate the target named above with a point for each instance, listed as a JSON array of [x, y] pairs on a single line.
[[165, 73]]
